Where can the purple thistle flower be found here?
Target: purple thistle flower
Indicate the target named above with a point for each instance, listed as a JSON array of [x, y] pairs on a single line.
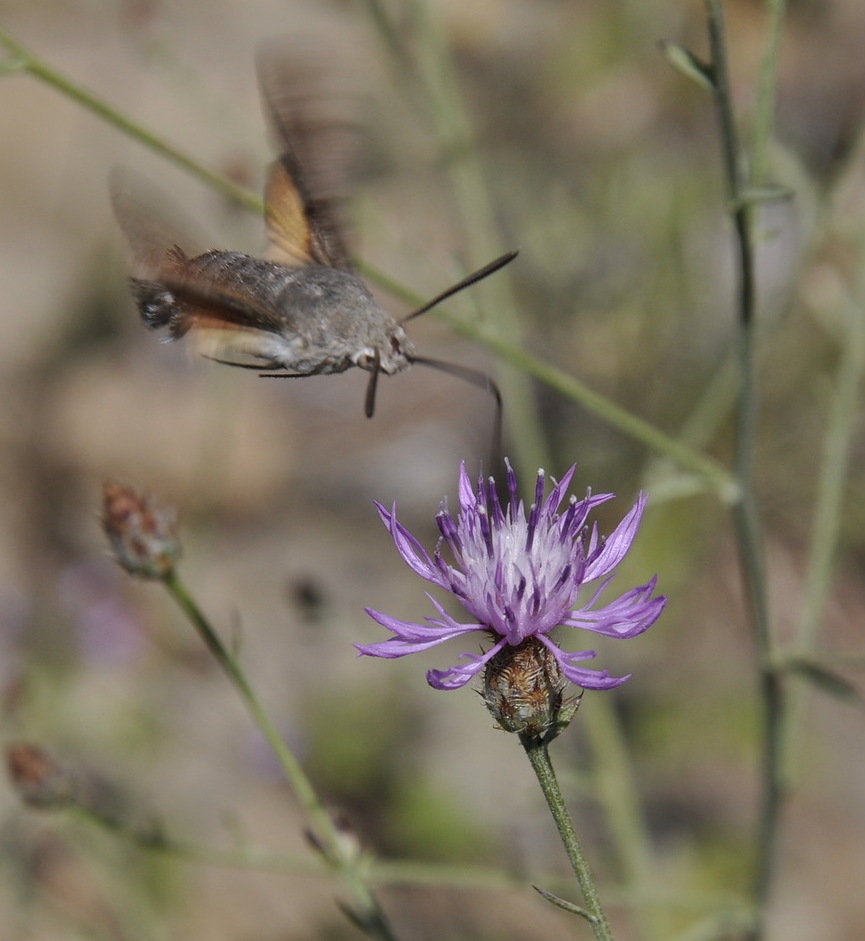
[[519, 575]]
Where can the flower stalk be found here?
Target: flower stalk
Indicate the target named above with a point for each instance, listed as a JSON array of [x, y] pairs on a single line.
[[142, 535], [537, 751], [25, 60], [365, 912], [745, 513]]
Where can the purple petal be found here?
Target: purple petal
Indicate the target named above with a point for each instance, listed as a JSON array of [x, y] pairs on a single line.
[[588, 679], [410, 636], [411, 551], [458, 676], [467, 496], [513, 490], [632, 613], [552, 502], [593, 679], [393, 649], [617, 544], [518, 572]]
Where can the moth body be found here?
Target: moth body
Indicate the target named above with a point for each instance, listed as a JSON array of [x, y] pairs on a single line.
[[249, 311], [299, 311]]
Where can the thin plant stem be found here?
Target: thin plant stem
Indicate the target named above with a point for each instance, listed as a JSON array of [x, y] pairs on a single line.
[[154, 840], [378, 872], [538, 754], [826, 525], [712, 472], [745, 512], [615, 788], [765, 115], [27, 61], [430, 76], [630, 425], [288, 763], [405, 872], [326, 837]]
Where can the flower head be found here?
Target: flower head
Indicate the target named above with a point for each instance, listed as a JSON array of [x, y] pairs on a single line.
[[525, 692], [520, 574], [141, 532], [40, 780]]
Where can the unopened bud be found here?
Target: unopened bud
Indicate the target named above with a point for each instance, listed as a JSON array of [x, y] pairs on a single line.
[[37, 777], [142, 533], [524, 691]]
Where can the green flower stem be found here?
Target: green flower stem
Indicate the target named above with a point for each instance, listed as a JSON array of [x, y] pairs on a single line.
[[615, 788], [627, 423], [841, 427], [289, 764], [745, 514], [153, 840], [257, 858], [24, 60], [393, 872], [327, 838], [539, 757], [630, 425], [765, 115]]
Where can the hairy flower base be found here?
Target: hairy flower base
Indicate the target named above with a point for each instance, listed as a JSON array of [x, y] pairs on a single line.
[[525, 692], [519, 575]]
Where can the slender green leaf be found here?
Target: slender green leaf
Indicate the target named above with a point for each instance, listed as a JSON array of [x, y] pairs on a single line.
[[825, 679], [689, 65], [562, 903]]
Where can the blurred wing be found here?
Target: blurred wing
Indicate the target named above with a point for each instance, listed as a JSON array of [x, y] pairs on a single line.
[[289, 227], [151, 231], [313, 120], [249, 349], [225, 323], [220, 320]]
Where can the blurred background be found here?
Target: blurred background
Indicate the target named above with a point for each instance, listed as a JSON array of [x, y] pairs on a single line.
[[579, 145]]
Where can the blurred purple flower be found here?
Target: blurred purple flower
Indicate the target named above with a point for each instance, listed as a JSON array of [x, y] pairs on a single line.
[[520, 576]]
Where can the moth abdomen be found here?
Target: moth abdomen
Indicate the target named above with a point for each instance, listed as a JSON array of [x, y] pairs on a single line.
[[157, 306]]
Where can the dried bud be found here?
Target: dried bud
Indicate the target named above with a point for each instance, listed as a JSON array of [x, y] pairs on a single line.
[[524, 691], [39, 780], [142, 534]]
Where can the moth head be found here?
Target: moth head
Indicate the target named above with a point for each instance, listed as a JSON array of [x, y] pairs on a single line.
[[397, 352], [393, 355]]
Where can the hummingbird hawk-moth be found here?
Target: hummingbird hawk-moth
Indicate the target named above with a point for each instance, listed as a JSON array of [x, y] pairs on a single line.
[[301, 310]]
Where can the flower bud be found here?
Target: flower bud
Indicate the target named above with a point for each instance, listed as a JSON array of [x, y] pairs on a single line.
[[141, 533], [524, 691], [39, 780]]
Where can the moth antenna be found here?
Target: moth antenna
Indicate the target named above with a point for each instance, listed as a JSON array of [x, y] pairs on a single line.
[[468, 281], [369, 406], [482, 381]]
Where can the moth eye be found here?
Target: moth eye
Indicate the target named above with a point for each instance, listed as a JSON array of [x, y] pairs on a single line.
[[365, 361], [394, 345]]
